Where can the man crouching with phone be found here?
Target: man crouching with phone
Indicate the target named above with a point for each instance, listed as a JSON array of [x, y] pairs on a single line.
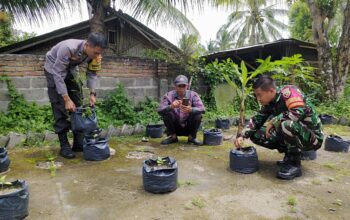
[[182, 111]]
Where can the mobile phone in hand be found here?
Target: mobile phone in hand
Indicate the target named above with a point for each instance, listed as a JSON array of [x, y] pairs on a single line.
[[185, 101]]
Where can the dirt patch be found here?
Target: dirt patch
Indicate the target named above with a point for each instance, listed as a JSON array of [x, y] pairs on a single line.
[[207, 188], [140, 155]]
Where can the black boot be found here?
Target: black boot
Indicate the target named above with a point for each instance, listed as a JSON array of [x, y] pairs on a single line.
[[65, 151], [291, 168], [283, 161], [78, 142]]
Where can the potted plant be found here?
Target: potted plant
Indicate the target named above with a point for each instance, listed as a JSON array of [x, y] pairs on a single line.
[[223, 123], [14, 199], [154, 130], [4, 160], [243, 160], [95, 147], [84, 119], [160, 175], [337, 144], [212, 137]]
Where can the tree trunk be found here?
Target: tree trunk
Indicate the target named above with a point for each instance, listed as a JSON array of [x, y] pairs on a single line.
[[343, 55], [99, 12], [323, 48], [241, 115], [334, 73]]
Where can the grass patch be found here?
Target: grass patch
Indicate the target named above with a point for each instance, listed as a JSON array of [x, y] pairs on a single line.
[[316, 182], [186, 183], [198, 202], [338, 202], [339, 130], [330, 165], [292, 200]]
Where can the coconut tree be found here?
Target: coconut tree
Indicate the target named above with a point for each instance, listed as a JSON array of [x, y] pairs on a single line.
[[35, 10], [211, 46], [224, 40], [255, 21]]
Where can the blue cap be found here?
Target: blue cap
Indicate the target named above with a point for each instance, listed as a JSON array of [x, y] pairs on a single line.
[[181, 80]]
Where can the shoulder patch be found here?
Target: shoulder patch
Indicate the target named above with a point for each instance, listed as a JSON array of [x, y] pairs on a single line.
[[66, 58], [292, 97], [286, 93]]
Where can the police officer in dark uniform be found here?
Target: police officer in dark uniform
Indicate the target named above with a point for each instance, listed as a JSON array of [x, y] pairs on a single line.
[[64, 90], [292, 124]]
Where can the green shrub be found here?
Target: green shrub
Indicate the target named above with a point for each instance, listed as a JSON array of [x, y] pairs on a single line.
[[147, 111], [118, 107], [23, 116], [341, 107]]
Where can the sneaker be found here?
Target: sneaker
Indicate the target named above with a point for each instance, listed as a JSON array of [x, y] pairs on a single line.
[[169, 140]]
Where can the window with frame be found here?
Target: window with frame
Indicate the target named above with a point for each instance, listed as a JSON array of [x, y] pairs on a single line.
[[111, 37]]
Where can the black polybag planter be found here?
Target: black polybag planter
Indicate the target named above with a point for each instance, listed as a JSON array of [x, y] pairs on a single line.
[[154, 131], [326, 119], [212, 137], [95, 149], [308, 155], [4, 160], [336, 143], [80, 123], [222, 123], [244, 160], [15, 205], [159, 180]]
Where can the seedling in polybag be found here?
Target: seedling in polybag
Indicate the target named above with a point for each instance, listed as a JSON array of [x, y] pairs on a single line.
[[160, 161], [3, 182], [144, 139]]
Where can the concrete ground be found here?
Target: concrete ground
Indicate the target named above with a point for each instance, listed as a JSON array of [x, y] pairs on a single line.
[[113, 189]]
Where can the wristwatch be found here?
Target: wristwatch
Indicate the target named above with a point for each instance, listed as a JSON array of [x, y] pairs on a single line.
[[93, 93]]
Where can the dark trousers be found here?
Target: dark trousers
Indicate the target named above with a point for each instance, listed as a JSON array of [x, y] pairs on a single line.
[[173, 126], [60, 114]]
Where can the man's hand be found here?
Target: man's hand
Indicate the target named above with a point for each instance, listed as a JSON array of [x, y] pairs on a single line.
[[176, 104], [239, 142], [68, 104], [92, 100], [186, 109], [268, 128]]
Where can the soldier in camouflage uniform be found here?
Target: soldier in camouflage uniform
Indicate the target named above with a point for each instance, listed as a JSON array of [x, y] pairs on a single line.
[[64, 90], [292, 124]]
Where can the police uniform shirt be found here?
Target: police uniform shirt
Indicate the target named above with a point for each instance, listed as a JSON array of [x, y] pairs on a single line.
[[64, 57]]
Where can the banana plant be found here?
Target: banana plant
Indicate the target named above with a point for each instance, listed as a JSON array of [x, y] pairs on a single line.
[[242, 83]]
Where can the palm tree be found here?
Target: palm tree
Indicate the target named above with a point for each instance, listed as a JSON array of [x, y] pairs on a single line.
[[224, 40], [190, 46], [211, 46], [255, 22], [165, 12], [35, 10]]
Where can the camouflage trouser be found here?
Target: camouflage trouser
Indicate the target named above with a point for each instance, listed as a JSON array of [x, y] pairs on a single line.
[[290, 137]]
